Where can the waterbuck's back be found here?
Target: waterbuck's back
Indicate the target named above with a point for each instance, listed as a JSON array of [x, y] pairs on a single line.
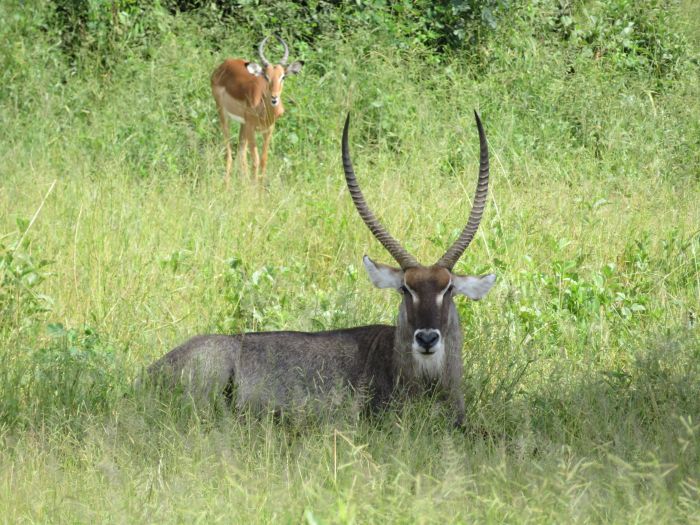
[[283, 369]]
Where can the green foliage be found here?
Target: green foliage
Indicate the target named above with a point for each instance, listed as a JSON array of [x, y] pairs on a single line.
[[76, 371], [440, 25], [454, 24], [634, 35], [253, 302], [106, 30], [74, 374], [581, 366], [21, 277]]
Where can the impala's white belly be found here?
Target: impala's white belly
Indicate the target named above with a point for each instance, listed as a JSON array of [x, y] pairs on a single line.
[[238, 110], [235, 117], [235, 109]]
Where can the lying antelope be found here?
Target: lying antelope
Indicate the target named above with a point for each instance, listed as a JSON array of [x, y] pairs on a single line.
[[251, 94], [285, 369]]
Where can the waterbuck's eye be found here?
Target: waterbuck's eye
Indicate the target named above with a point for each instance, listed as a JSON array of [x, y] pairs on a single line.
[[404, 290], [450, 288]]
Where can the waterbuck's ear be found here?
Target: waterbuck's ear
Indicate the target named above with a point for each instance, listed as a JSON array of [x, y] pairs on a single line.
[[473, 287], [383, 276], [254, 69], [294, 67]]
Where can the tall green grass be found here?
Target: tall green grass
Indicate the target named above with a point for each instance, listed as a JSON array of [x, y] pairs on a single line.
[[118, 241]]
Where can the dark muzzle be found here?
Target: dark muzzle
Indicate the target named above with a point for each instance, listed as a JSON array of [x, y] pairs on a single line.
[[427, 339]]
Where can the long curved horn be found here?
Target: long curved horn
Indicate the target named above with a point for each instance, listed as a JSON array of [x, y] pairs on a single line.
[[482, 188], [283, 62], [405, 259], [261, 47]]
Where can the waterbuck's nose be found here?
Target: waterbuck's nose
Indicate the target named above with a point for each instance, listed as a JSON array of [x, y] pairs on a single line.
[[427, 338], [274, 100]]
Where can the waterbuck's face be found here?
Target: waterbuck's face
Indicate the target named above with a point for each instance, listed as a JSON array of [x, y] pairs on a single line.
[[428, 321], [427, 308]]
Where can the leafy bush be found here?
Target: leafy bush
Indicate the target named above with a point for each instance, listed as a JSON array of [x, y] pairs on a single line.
[[252, 300], [633, 35], [106, 31], [20, 276], [74, 372], [640, 36]]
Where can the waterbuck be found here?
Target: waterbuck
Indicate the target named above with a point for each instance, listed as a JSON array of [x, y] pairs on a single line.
[[280, 370], [251, 94]]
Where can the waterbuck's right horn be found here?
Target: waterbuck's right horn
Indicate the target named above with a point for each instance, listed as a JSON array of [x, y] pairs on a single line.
[[482, 188], [405, 259]]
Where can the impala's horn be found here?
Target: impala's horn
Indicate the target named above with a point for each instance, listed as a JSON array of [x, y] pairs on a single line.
[[261, 48], [285, 57], [405, 259], [455, 251]]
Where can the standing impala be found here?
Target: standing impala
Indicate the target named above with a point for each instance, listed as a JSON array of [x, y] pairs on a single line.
[[251, 94], [284, 369]]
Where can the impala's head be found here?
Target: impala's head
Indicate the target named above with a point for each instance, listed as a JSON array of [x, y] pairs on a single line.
[[427, 314], [274, 74]]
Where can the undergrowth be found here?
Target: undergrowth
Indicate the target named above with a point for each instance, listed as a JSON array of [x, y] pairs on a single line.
[[118, 241]]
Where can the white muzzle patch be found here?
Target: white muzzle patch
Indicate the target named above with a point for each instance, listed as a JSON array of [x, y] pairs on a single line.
[[429, 363]]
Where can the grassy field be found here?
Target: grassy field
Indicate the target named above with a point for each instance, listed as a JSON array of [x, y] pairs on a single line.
[[118, 241]]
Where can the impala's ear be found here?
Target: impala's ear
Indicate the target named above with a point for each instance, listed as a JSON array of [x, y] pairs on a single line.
[[383, 276], [254, 69], [473, 287], [294, 67]]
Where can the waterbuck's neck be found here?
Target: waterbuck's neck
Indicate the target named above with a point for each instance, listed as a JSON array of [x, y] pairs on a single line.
[[412, 367]]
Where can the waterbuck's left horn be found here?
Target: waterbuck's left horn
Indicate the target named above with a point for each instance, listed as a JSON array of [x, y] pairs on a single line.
[[405, 259], [482, 188]]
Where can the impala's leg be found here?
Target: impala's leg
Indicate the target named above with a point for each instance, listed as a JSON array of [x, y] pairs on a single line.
[[267, 135], [242, 142], [253, 149]]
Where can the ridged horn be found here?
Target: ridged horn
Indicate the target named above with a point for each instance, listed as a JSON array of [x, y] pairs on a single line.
[[455, 251], [283, 62], [405, 259], [261, 47]]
